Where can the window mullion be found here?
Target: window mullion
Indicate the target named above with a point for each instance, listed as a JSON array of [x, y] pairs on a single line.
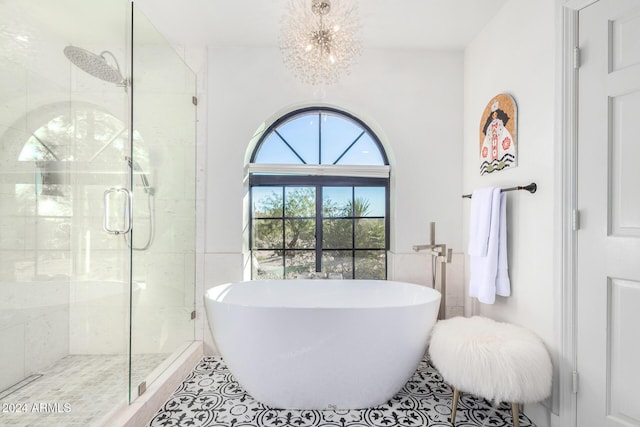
[[353, 232], [284, 238], [319, 138], [319, 230], [348, 148], [290, 147]]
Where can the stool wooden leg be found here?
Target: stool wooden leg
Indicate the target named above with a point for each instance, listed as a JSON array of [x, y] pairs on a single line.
[[454, 405], [515, 409]]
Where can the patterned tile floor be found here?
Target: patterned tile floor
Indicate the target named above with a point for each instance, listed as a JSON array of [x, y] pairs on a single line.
[[78, 390], [210, 396]]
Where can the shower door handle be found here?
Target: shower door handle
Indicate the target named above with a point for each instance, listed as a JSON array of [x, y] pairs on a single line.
[[122, 198]]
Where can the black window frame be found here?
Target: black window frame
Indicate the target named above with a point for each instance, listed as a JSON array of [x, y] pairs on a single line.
[[319, 182], [320, 110]]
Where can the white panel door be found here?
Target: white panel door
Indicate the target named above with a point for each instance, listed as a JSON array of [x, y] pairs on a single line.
[[608, 287]]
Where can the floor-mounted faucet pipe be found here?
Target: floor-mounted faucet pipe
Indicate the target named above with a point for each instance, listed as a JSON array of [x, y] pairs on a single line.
[[442, 256]]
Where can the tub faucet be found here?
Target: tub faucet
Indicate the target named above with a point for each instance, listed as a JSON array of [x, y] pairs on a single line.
[[443, 256], [418, 248], [436, 250], [432, 240]]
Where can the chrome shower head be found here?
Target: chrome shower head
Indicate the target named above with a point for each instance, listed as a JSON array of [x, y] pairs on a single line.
[[96, 65]]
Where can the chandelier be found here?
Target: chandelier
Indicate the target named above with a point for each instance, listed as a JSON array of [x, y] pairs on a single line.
[[319, 43]]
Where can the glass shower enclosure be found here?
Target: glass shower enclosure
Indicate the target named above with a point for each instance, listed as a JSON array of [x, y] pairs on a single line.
[[97, 209]]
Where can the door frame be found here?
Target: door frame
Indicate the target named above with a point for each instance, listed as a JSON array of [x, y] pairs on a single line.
[[567, 200]]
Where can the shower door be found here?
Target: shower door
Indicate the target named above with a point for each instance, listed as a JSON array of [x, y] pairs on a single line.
[[97, 206], [64, 281], [163, 232]]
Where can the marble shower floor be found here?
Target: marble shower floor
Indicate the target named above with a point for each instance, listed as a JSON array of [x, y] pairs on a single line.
[[78, 390], [210, 396]]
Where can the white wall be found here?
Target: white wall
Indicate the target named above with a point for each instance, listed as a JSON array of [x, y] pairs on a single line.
[[515, 54], [412, 99]]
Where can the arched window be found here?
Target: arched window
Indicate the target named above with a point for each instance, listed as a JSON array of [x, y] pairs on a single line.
[[319, 189]]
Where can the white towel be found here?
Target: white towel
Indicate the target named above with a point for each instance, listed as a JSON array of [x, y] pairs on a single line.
[[503, 285], [489, 273], [480, 221]]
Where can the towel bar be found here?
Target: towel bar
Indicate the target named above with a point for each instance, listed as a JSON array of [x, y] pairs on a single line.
[[531, 188]]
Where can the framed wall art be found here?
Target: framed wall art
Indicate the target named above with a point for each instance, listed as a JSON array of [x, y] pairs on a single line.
[[498, 135]]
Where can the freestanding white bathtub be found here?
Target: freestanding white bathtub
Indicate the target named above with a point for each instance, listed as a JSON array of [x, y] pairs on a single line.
[[321, 344]]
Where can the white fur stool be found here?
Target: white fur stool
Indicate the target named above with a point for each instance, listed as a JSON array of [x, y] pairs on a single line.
[[497, 361]]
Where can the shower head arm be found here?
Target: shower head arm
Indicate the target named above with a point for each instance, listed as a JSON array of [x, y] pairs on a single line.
[[124, 83], [113, 57]]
